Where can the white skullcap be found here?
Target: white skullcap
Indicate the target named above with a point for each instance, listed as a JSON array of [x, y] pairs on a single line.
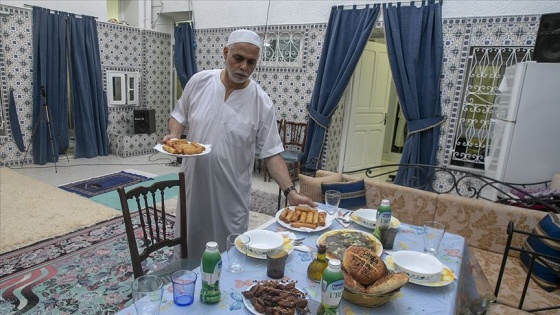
[[244, 36]]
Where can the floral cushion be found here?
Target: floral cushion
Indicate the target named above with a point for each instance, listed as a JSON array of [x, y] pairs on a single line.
[[540, 192], [409, 205], [483, 223], [501, 309], [512, 282]]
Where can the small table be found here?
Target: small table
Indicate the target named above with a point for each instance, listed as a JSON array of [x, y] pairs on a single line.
[[412, 298]]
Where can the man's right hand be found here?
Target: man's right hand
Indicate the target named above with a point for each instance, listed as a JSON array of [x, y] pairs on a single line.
[[175, 130], [166, 138]]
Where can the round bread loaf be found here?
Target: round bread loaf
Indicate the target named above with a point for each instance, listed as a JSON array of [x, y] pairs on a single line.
[[363, 265]]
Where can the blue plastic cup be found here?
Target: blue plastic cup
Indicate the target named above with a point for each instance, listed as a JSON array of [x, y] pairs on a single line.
[[184, 282]]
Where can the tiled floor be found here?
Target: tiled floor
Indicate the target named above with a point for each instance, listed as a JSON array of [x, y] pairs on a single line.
[[72, 170], [69, 170]]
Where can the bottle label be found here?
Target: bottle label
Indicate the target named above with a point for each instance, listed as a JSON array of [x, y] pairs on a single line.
[[331, 293], [212, 278], [384, 218]]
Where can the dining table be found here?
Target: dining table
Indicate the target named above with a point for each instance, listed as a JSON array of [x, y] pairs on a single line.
[[441, 297]]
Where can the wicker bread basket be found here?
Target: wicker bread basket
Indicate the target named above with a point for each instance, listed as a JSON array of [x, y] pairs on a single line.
[[369, 300]]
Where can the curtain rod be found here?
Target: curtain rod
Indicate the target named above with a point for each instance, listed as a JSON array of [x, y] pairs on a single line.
[[31, 6], [184, 21]]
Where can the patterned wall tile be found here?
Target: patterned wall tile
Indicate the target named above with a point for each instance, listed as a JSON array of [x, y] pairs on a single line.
[[156, 78], [17, 68]]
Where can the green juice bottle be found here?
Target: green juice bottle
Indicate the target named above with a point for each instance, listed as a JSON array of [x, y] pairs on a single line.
[[332, 286], [383, 218], [210, 270]]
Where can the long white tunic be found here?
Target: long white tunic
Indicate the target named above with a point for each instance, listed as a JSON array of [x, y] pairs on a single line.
[[219, 183]]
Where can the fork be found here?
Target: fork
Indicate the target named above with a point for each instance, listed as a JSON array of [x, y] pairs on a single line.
[[298, 241]]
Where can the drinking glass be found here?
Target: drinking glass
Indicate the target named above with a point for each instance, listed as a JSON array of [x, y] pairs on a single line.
[[332, 200], [147, 292], [237, 251], [184, 282], [433, 234], [276, 263]]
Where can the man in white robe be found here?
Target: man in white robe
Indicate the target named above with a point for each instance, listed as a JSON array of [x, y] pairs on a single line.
[[231, 112]]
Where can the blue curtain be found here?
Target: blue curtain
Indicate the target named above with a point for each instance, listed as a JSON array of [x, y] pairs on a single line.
[[184, 54], [415, 49], [14, 122], [49, 85], [347, 33], [89, 102]]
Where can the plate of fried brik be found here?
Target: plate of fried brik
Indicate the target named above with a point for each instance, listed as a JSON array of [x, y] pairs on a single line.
[[183, 148]]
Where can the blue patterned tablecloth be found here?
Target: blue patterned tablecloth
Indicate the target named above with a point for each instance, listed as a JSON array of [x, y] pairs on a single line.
[[411, 299]]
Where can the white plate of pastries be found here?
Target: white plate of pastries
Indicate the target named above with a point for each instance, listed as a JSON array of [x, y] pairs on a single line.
[[183, 148], [303, 219]]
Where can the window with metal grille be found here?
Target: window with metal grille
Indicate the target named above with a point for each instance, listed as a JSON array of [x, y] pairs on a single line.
[[484, 73], [282, 49]]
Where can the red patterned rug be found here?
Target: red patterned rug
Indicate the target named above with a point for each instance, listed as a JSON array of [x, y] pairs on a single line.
[[84, 272]]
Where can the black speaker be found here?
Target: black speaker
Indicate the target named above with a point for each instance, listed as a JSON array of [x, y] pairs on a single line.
[[547, 45], [144, 121]]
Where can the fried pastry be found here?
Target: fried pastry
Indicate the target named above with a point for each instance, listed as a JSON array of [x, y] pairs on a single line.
[[169, 149], [182, 146]]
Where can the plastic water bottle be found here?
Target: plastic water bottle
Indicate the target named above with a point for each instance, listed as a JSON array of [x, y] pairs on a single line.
[[332, 286], [210, 270], [383, 218]]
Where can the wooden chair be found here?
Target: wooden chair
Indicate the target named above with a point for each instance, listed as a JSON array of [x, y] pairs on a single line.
[[293, 136], [280, 125], [150, 204], [534, 257]]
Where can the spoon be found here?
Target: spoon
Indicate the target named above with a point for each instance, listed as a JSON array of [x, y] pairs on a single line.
[[346, 218]]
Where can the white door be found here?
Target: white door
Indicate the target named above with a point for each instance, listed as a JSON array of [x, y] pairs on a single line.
[[368, 99]]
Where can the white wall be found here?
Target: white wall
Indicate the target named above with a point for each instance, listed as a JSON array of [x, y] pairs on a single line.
[[218, 14], [234, 13], [97, 8]]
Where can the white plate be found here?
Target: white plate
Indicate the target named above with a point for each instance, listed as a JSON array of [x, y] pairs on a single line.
[[328, 221], [447, 275], [250, 306], [288, 247], [356, 215], [207, 149]]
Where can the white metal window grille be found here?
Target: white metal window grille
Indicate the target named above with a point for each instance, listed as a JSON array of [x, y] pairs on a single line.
[[282, 49], [484, 73], [2, 117]]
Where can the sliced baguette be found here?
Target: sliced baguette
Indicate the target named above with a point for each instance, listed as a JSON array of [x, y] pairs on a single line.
[[352, 284], [388, 283]]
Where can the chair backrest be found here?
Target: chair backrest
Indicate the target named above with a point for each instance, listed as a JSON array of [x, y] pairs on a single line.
[[280, 125], [537, 261], [150, 202], [293, 135]]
